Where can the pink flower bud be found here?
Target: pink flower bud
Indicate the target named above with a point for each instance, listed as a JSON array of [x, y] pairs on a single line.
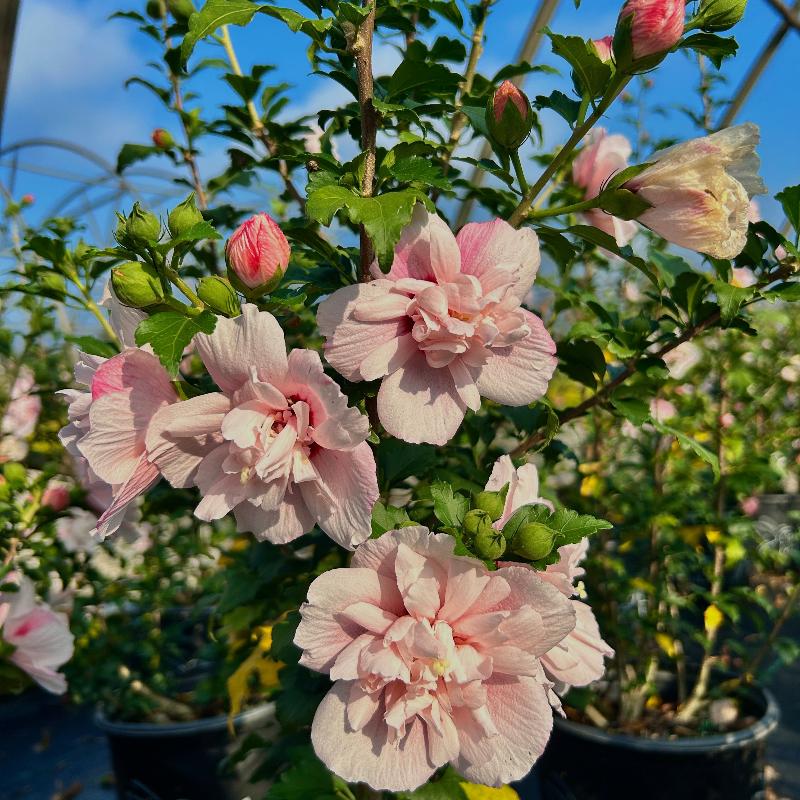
[[56, 496], [257, 254], [727, 419], [604, 47], [656, 26], [505, 92], [28, 199], [509, 116], [162, 139]]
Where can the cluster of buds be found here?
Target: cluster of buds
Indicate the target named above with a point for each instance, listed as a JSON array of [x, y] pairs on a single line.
[[490, 537]]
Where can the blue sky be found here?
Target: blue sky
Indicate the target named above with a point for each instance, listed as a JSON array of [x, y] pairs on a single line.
[[70, 64]]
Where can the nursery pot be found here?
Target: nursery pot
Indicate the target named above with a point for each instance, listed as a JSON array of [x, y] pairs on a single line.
[[183, 760], [585, 763]]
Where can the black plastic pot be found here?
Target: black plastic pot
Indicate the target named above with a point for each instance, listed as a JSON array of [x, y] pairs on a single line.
[[586, 763], [184, 760]]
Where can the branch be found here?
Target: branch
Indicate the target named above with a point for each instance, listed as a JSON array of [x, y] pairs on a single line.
[[530, 45], [362, 53], [257, 126], [790, 15]]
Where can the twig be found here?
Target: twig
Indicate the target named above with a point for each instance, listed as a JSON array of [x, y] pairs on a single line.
[[362, 52], [257, 124], [530, 45], [790, 15]]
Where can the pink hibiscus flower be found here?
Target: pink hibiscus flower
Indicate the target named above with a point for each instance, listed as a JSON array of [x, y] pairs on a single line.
[[277, 445], [41, 637], [22, 412], [602, 157], [434, 660], [109, 422], [577, 659], [444, 327]]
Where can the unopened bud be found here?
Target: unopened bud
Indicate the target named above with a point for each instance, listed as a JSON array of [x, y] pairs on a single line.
[[162, 139], [509, 116], [181, 9], [604, 48], [142, 227], [489, 544], [137, 285], [219, 295], [56, 496], [28, 199], [476, 522], [646, 31], [493, 503], [719, 15], [533, 541], [184, 217], [15, 474], [257, 254]]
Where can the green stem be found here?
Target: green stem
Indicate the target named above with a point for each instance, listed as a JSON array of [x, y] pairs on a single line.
[[93, 308], [185, 288], [574, 208], [515, 160], [615, 88]]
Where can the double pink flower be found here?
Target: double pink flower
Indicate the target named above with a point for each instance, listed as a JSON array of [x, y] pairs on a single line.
[[434, 659], [444, 327], [277, 445]]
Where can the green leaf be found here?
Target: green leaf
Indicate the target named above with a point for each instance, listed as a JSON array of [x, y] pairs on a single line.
[[731, 298], [213, 15], [197, 233], [423, 170], [388, 518], [92, 346], [384, 217], [315, 28], [131, 153], [569, 526], [632, 408], [607, 242], [170, 332], [716, 48], [789, 198], [590, 73], [413, 75], [623, 203], [669, 266], [398, 460], [448, 506], [446, 787], [687, 443], [564, 106]]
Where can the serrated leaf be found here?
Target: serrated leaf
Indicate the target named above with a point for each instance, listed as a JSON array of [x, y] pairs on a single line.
[[423, 170], [198, 232], [590, 72], [170, 332], [131, 153], [411, 76], [731, 298], [564, 106], [789, 198], [448, 506], [632, 408], [388, 518], [398, 460], [716, 48]]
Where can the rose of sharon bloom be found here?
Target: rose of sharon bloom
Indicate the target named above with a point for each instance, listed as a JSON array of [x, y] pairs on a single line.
[[108, 424], [434, 660], [656, 27], [700, 191], [602, 157], [277, 445], [74, 531], [444, 327], [523, 487], [576, 660], [56, 496], [41, 638], [604, 47], [24, 407], [258, 253]]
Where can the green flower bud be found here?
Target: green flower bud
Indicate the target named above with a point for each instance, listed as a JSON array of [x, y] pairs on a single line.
[[181, 9], [719, 15], [142, 227], [509, 116], [184, 217], [489, 544], [137, 285], [162, 139], [219, 295], [533, 541], [16, 474], [493, 503], [476, 522], [121, 232]]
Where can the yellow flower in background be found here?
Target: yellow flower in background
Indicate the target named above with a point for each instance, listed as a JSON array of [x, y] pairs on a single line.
[[667, 644], [713, 618], [653, 702], [642, 585], [714, 535], [735, 551], [703, 437], [257, 663], [589, 467], [591, 486], [474, 791]]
